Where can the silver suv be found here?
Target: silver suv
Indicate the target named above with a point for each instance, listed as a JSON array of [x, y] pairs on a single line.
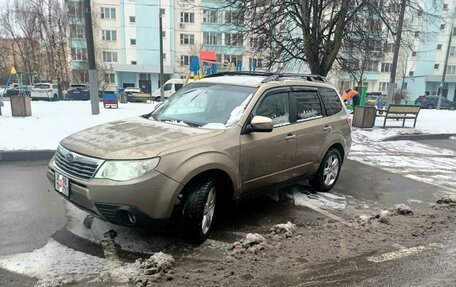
[[215, 141]]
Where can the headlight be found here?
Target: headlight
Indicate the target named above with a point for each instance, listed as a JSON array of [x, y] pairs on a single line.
[[126, 170]]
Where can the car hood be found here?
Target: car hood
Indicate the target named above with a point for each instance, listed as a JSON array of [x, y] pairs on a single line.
[[135, 138]]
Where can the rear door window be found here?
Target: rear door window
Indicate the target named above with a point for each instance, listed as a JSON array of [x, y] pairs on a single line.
[[331, 101], [308, 105], [178, 86]]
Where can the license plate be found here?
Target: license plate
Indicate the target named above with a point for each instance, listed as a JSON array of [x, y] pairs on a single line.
[[62, 184]]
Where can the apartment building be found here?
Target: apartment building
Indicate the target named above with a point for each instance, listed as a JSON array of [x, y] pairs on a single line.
[[421, 62], [427, 61], [126, 36]]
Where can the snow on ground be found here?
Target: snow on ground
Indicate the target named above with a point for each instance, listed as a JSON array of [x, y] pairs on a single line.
[[52, 121], [323, 200], [418, 161], [55, 263]]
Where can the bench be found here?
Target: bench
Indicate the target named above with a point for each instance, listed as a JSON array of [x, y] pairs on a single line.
[[402, 112]]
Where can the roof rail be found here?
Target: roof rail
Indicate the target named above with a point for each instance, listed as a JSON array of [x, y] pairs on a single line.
[[270, 76]]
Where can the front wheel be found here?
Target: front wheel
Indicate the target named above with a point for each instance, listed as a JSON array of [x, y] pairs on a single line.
[[199, 210], [328, 173]]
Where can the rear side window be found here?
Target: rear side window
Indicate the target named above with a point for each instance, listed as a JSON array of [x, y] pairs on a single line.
[[331, 101], [308, 105], [178, 86]]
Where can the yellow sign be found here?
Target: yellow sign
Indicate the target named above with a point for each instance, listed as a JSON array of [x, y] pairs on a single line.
[[13, 70]]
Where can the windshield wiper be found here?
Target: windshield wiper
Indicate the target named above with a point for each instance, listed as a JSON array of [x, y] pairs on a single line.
[[195, 125]]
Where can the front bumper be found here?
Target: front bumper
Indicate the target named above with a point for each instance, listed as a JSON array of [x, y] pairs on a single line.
[[148, 200]]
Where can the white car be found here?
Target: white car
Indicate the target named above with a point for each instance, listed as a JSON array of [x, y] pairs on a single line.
[[45, 91], [170, 87], [131, 90]]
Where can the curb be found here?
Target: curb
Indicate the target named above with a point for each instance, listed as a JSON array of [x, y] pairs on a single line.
[[420, 137], [26, 155]]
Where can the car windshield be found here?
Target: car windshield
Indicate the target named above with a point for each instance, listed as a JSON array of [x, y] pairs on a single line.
[[206, 105], [42, 86]]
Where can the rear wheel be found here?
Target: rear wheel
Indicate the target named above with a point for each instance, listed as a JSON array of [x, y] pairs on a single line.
[[199, 210], [55, 98], [328, 173]]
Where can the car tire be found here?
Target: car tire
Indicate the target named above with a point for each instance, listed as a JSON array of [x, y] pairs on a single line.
[[199, 210], [328, 173], [55, 98], [429, 107]]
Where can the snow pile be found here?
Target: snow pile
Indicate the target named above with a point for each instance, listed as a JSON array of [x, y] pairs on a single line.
[[158, 266], [383, 216], [403, 209], [280, 231], [252, 243], [323, 200], [57, 265], [447, 199]]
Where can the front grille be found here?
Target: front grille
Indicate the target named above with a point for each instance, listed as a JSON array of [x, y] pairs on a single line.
[[75, 164]]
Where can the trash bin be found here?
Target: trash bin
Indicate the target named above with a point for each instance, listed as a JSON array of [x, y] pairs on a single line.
[[364, 117], [110, 100], [123, 98], [21, 106]]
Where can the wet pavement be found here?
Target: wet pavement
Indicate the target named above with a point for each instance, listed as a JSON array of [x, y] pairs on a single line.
[[331, 249]]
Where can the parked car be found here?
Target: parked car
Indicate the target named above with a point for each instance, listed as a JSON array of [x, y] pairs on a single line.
[[170, 87], [216, 141], [430, 102], [45, 91], [78, 92]]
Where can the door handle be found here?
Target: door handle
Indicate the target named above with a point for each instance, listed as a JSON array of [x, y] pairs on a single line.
[[327, 128], [290, 137]]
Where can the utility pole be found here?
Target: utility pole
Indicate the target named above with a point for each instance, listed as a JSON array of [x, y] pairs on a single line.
[[397, 46], [93, 80], [162, 77], [445, 66]]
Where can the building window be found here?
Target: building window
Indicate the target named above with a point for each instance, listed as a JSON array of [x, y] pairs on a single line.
[[132, 19], [78, 54], [75, 8], [411, 73], [164, 34], [162, 11], [144, 77], [212, 38], [382, 86], [405, 86], [109, 35], [439, 46], [436, 66], [442, 27], [77, 31], [110, 57], [414, 54], [386, 67], [133, 62], [187, 39], [417, 34], [453, 50], [445, 7], [451, 70], [109, 78], [234, 17], [108, 13], [186, 60], [164, 56], [187, 17], [233, 40], [211, 16], [133, 42]]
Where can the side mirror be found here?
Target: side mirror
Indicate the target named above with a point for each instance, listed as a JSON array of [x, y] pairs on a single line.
[[261, 124]]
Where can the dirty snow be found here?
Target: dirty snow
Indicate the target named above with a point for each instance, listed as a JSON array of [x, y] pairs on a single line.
[[323, 200], [57, 264], [52, 121], [283, 230]]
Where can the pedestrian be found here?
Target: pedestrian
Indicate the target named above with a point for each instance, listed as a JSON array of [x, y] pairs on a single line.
[[353, 95]]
